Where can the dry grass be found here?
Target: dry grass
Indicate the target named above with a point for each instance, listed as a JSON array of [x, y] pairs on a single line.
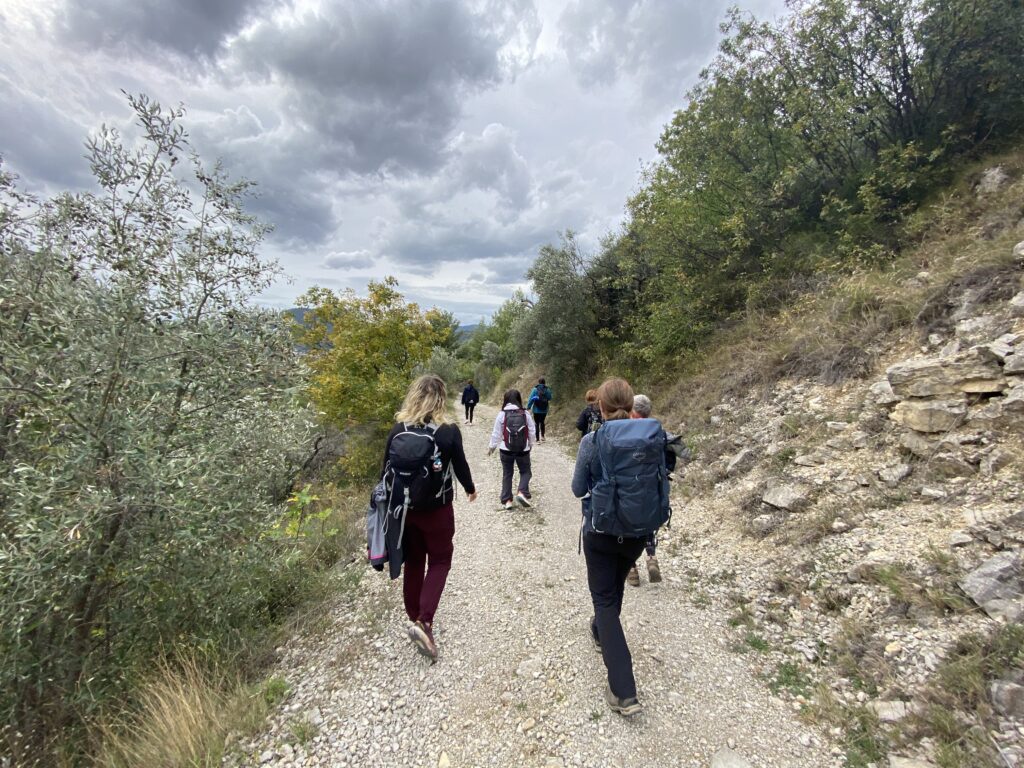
[[859, 655], [864, 741], [186, 717], [185, 713], [909, 589], [809, 528], [180, 722], [957, 715]]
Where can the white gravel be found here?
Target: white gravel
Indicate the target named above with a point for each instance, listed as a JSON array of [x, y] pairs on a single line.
[[518, 681]]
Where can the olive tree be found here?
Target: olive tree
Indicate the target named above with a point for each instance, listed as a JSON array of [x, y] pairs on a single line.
[[149, 427]]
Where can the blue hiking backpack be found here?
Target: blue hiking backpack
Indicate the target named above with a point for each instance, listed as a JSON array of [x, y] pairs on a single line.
[[632, 497]]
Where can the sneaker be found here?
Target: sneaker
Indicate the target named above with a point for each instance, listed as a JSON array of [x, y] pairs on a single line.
[[633, 577], [508, 504], [423, 639], [625, 707], [593, 633], [653, 571], [523, 501]]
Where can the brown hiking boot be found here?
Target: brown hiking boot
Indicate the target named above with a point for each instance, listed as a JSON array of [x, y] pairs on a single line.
[[423, 638], [653, 571], [625, 707], [633, 577]]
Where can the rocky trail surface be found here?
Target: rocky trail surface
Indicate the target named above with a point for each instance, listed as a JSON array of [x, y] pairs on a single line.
[[518, 681]]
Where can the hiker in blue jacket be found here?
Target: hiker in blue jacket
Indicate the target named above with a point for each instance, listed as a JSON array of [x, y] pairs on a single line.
[[470, 397], [540, 398], [620, 475]]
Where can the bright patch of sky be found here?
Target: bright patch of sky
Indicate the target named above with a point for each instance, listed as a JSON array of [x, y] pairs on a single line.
[[441, 142]]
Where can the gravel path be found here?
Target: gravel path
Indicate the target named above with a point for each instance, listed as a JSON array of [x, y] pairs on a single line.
[[518, 681]]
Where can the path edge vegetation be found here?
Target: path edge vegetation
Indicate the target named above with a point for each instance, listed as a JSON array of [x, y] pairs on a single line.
[[180, 489]]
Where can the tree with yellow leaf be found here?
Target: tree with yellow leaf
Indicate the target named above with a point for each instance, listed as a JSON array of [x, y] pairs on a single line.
[[363, 351]]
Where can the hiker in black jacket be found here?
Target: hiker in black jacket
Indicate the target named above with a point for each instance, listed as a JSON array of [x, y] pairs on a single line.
[[590, 418], [428, 534], [470, 397]]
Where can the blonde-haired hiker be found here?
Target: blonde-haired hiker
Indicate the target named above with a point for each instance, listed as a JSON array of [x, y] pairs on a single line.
[[423, 452], [621, 476]]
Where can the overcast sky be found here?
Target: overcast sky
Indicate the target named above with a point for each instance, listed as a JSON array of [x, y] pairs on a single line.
[[440, 141]]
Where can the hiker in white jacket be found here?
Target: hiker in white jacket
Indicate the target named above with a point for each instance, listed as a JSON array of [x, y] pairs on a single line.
[[515, 433]]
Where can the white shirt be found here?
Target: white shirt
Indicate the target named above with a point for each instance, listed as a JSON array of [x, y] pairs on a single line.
[[498, 433]]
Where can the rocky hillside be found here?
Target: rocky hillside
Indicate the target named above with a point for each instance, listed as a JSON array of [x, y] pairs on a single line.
[[868, 534]]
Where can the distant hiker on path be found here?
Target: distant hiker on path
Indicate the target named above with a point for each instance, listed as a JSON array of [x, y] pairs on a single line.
[[620, 474], [515, 433], [642, 408], [540, 399], [590, 417], [470, 397], [424, 450]]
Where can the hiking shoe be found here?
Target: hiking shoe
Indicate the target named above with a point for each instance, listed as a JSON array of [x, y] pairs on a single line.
[[625, 707], [653, 571], [523, 501], [423, 639], [508, 504], [633, 577]]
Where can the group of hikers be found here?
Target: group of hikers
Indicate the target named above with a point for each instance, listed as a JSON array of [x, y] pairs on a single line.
[[622, 474]]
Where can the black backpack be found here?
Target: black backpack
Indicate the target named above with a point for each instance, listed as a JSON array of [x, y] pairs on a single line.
[[413, 474], [543, 395], [516, 430]]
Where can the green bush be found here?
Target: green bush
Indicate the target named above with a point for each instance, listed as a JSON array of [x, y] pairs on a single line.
[[802, 151], [150, 431]]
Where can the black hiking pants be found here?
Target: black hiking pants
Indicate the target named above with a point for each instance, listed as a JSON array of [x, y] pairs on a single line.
[[509, 461], [539, 418], [608, 561], [469, 412]]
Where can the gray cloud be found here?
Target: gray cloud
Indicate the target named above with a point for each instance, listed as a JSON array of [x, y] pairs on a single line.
[[423, 249], [489, 163], [662, 42], [187, 27], [289, 193], [443, 142], [349, 260], [380, 85], [40, 142]]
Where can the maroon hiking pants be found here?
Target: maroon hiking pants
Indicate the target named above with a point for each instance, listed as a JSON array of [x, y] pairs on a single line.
[[427, 546]]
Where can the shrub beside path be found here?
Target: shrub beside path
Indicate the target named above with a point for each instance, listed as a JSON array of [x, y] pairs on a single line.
[[518, 681]]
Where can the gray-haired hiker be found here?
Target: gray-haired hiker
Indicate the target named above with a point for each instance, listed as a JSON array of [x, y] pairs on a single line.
[[621, 477], [642, 408]]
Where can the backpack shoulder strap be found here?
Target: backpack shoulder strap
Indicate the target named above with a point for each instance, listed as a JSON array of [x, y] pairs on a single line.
[[600, 441]]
